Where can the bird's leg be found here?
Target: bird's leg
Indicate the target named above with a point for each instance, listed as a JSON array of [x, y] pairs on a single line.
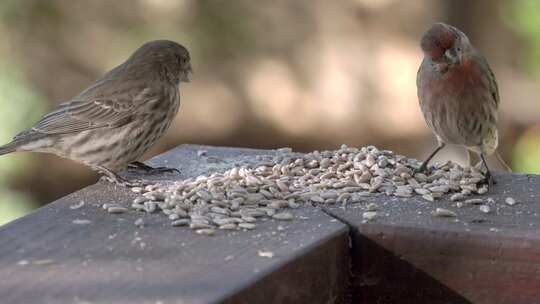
[[489, 179], [426, 162], [470, 158], [474, 160], [117, 179], [151, 170]]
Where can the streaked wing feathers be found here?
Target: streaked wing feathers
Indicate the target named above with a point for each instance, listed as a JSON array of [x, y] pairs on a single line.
[[492, 82], [77, 116]]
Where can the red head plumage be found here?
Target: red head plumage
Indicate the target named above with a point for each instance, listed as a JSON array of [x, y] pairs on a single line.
[[438, 39]]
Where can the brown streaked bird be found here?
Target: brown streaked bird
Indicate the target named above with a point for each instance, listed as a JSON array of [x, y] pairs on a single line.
[[110, 125], [458, 94]]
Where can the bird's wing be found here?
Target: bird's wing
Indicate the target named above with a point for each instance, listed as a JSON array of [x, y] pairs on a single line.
[[77, 116], [485, 69], [494, 88], [110, 102]]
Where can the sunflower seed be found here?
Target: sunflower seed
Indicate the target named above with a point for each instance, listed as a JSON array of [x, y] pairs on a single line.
[[510, 201], [179, 223], [220, 210], [369, 215], [370, 160], [284, 216], [428, 197], [137, 189], [474, 201], [402, 193], [372, 207], [81, 222], [150, 206], [485, 208], [249, 219], [263, 188], [278, 204], [457, 197], [344, 198], [173, 216], [316, 199], [77, 206], [483, 190], [139, 222], [199, 225], [421, 191], [206, 231], [439, 189], [116, 210], [230, 226], [440, 212], [248, 226]]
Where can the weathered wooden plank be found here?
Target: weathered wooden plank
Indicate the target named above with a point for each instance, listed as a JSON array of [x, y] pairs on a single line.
[[46, 258], [406, 255]]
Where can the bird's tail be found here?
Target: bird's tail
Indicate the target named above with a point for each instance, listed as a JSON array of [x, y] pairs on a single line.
[[10, 147], [501, 161]]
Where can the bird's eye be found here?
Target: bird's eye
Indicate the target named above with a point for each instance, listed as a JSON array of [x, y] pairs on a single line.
[[458, 49]]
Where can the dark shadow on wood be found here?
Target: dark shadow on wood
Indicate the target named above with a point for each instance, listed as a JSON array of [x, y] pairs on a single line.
[[379, 276], [323, 275]]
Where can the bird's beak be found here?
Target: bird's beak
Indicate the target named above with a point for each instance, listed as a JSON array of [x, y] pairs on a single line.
[[187, 74]]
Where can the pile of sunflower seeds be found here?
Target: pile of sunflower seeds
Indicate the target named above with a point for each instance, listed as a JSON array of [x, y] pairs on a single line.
[[238, 197]]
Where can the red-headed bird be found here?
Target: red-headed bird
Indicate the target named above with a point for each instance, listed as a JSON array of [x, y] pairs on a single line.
[[458, 94]]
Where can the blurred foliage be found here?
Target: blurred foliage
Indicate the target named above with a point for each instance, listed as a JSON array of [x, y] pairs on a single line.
[[523, 16], [212, 17], [20, 105], [527, 152], [14, 205]]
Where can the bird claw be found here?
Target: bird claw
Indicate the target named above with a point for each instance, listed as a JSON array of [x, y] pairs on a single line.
[[151, 170], [491, 181], [420, 169], [158, 170], [488, 180]]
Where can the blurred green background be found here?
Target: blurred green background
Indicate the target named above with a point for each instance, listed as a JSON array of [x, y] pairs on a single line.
[[309, 74]]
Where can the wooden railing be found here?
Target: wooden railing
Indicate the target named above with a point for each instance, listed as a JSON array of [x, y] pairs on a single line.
[[83, 254]]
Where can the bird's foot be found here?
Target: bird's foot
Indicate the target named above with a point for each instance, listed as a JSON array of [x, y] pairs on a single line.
[[421, 169], [116, 179], [139, 166], [425, 163], [488, 180]]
